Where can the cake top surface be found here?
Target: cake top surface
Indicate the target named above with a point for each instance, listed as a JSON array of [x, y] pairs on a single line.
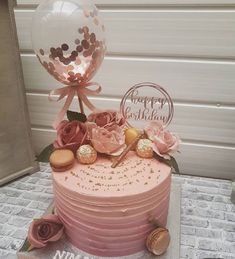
[[134, 175]]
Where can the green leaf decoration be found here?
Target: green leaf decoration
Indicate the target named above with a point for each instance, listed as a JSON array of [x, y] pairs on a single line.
[[174, 164], [170, 162], [26, 246], [45, 154], [76, 116]]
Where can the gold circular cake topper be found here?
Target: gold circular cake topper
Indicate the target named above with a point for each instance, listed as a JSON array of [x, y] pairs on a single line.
[[146, 102]]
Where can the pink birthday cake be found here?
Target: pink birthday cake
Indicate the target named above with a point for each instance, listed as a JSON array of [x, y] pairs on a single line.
[[106, 210], [111, 170]]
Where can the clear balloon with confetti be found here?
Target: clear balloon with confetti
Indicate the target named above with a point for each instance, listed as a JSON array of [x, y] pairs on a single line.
[[68, 37]]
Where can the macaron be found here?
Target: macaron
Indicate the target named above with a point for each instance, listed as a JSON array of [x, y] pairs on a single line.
[[158, 241], [61, 160]]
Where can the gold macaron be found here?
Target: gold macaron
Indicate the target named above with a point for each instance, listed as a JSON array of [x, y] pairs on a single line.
[[158, 241], [61, 160]]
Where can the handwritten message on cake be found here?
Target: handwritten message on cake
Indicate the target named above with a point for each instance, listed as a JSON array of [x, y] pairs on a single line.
[[147, 102]]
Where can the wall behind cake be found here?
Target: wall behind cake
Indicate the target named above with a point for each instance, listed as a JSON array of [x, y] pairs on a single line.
[[187, 46]]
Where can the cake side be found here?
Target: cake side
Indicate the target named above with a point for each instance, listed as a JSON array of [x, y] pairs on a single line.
[[111, 222]]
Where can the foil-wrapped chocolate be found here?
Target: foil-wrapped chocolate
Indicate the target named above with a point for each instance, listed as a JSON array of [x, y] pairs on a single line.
[[144, 148], [86, 154]]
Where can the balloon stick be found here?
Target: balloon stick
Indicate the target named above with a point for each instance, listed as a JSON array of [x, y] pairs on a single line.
[[81, 105]]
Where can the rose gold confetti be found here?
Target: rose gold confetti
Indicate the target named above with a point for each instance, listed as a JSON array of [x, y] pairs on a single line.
[[92, 37], [96, 21], [62, 59], [71, 78], [66, 61], [74, 53], [59, 52], [71, 73], [66, 177], [79, 48], [86, 36], [86, 53], [85, 29], [72, 58], [92, 48], [77, 75], [77, 41], [77, 61], [103, 28], [64, 46], [52, 49], [80, 30], [85, 44], [41, 52], [70, 67]]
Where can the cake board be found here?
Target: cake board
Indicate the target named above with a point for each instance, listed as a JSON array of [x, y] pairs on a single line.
[[62, 249]]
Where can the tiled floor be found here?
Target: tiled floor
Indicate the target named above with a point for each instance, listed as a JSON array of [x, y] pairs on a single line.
[[207, 215]]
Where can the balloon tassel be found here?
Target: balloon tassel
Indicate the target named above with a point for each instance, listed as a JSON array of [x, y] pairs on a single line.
[[81, 105]]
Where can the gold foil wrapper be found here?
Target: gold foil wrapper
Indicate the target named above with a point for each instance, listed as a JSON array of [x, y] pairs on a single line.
[[144, 148], [86, 154]]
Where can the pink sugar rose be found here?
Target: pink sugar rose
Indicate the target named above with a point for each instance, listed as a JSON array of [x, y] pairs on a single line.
[[106, 118], [71, 135], [164, 142], [109, 140], [44, 230]]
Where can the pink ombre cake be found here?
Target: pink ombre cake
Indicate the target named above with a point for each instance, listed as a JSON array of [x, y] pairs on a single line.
[[106, 210]]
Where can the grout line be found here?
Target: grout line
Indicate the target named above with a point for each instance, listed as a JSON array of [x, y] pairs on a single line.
[[186, 103], [187, 142]]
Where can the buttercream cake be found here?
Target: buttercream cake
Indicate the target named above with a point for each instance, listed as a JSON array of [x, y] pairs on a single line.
[[106, 211]]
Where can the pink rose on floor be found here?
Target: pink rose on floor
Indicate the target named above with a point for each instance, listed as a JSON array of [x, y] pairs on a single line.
[[164, 142], [106, 118], [71, 135], [109, 140], [44, 230]]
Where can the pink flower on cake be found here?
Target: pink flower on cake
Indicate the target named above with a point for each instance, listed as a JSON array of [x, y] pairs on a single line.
[[71, 135], [109, 140], [164, 142], [44, 230], [106, 118]]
